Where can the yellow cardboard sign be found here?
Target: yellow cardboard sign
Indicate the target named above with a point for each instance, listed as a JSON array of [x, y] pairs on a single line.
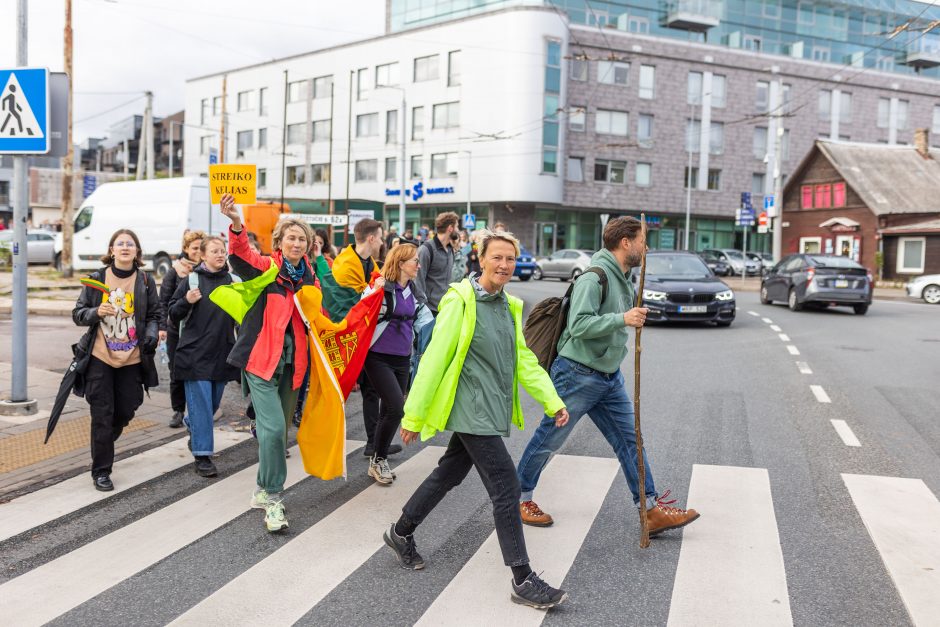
[[239, 180]]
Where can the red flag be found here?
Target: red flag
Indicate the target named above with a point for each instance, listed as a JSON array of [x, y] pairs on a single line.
[[346, 350]]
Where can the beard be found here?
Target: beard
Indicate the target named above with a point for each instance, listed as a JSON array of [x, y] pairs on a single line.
[[635, 258]]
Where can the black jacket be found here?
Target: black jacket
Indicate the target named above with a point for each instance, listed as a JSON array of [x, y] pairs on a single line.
[[147, 313], [208, 334], [167, 289]]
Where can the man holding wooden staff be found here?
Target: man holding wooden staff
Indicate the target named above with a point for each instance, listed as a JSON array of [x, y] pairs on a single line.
[[587, 376]]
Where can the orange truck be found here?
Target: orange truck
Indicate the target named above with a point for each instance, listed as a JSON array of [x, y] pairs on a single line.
[[261, 219]]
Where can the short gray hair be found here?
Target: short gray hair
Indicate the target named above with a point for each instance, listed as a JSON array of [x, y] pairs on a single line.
[[485, 237]]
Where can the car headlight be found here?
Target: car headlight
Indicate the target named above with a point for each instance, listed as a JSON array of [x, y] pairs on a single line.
[[726, 295], [654, 295]]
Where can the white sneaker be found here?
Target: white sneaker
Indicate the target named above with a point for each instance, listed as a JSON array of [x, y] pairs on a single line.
[[260, 499], [379, 470], [274, 517]]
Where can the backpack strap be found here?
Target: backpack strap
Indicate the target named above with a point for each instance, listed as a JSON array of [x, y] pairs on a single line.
[[602, 279]]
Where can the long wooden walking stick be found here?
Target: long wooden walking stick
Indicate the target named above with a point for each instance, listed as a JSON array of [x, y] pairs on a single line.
[[641, 466]]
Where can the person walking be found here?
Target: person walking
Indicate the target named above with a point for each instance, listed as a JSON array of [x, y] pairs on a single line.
[[587, 375], [477, 359], [119, 305], [436, 258], [387, 363], [206, 337], [271, 347], [169, 333]]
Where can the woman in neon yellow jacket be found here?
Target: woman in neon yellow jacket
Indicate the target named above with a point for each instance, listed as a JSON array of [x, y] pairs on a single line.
[[468, 383]]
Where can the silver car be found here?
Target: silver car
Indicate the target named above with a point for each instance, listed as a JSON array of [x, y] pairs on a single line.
[[566, 264], [926, 287], [40, 245], [736, 261]]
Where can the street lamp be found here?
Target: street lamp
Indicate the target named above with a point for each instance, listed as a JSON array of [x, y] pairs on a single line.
[[469, 179], [401, 166]]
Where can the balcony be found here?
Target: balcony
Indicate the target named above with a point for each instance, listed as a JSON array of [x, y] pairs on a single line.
[[693, 15], [924, 53]]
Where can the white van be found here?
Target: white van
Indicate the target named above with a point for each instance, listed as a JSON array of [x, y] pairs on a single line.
[[158, 211]]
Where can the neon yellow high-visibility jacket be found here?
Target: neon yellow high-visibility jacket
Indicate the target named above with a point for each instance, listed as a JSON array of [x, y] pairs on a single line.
[[432, 394]]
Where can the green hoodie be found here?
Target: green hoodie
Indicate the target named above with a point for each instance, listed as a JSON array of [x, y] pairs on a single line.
[[596, 334], [432, 394]]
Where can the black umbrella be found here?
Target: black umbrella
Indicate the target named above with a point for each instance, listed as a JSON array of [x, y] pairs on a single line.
[[65, 388]]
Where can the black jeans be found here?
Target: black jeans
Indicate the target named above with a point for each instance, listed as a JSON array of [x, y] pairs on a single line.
[[113, 395], [370, 406], [389, 376], [177, 390], [498, 472]]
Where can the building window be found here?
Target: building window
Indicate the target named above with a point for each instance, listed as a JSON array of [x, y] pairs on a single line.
[[204, 145], [362, 83], [806, 197], [416, 169], [609, 171], [838, 194], [611, 122], [911, 254], [297, 133], [417, 123], [262, 138], [644, 174], [244, 101], [785, 146], [296, 175], [613, 72], [444, 165], [694, 89], [762, 101], [884, 112], [771, 8], [320, 173], [644, 130], [550, 134], [804, 13], [647, 81], [693, 135], [639, 25], [425, 68], [204, 109], [549, 161], [825, 104], [323, 87], [367, 125], [391, 167], [296, 91], [575, 171], [245, 139], [446, 115], [714, 180], [716, 138], [821, 53], [718, 91], [845, 107], [903, 111], [391, 126], [262, 178], [322, 130], [366, 169], [578, 68], [386, 75], [263, 101], [754, 43], [217, 105], [935, 127], [453, 68], [577, 117], [823, 197], [757, 183], [690, 178], [760, 142]]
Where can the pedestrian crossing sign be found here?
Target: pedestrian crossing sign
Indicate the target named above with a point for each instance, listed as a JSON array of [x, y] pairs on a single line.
[[24, 111]]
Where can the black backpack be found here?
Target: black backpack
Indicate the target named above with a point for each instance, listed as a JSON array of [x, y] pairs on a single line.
[[390, 306], [548, 318]]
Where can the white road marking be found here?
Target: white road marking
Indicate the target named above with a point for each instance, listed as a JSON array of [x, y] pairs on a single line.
[[767, 320], [753, 313], [793, 349], [845, 432], [908, 541], [783, 337], [774, 327], [731, 570], [820, 393], [804, 367]]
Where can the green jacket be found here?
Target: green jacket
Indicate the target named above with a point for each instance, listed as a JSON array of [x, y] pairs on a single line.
[[432, 393], [596, 334]]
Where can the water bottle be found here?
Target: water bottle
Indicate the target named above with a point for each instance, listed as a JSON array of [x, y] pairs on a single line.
[[164, 358]]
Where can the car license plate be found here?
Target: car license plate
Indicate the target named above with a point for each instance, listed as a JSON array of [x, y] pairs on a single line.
[[692, 309], [525, 272], [842, 283]]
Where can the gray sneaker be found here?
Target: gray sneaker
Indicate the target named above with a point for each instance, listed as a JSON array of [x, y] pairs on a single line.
[[536, 593], [380, 471], [405, 549]]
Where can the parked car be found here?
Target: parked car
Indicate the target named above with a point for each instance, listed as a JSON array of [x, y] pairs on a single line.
[[40, 245], [680, 287], [735, 260], [926, 287], [766, 260], [819, 280], [716, 265], [565, 264], [525, 265]]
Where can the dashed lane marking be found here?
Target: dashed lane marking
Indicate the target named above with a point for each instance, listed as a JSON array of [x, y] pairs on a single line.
[[793, 349], [845, 432], [820, 393], [804, 367]]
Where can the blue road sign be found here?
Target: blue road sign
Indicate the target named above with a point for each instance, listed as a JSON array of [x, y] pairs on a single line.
[[470, 221], [769, 202], [89, 184], [24, 111], [213, 156]]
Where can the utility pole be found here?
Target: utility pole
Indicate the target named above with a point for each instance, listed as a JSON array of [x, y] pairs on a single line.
[[348, 154], [145, 144], [284, 140], [329, 179], [127, 158], [151, 157], [172, 122], [402, 206], [222, 138], [68, 227], [775, 129]]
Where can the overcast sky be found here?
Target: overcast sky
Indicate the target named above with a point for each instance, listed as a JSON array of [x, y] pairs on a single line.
[[125, 47]]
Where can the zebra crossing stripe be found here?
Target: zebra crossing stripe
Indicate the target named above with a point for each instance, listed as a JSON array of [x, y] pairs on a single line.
[[71, 495], [908, 541], [573, 490], [731, 567], [64, 583], [317, 560]]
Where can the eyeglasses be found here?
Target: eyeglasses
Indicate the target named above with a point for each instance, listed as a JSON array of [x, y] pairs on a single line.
[[125, 245]]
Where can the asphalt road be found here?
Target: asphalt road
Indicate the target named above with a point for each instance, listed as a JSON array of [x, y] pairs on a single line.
[[735, 399]]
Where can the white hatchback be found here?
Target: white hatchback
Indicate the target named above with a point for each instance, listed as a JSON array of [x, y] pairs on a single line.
[[926, 287]]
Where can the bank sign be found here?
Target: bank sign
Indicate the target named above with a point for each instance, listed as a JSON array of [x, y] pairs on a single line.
[[417, 191]]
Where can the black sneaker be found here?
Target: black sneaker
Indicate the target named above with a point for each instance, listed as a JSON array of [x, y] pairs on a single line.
[[369, 450], [404, 548], [536, 593], [298, 415], [205, 467], [177, 420], [103, 483]]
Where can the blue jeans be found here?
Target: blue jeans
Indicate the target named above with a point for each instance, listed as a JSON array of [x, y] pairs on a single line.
[[601, 396], [202, 401]]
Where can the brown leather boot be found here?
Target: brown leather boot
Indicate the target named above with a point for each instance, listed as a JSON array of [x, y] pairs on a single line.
[[663, 518], [533, 515]]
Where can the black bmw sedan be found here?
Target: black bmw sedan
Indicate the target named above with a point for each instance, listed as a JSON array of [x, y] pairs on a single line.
[[680, 287]]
